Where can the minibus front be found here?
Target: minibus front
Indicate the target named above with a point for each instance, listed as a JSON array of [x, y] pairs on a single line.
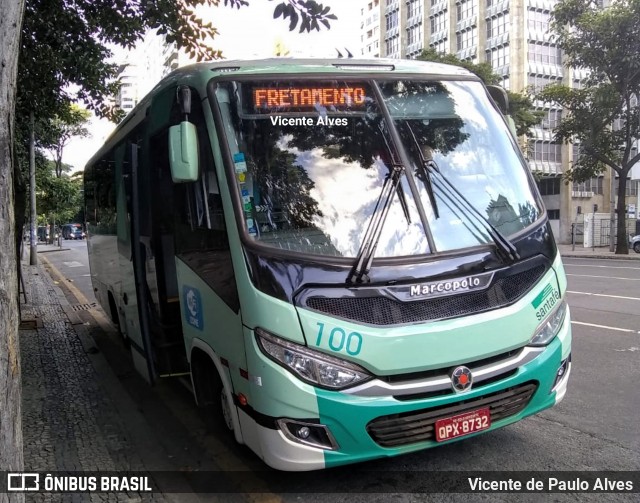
[[398, 281]]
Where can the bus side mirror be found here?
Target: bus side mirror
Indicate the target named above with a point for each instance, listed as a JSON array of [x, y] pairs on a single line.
[[501, 98], [183, 152], [499, 95]]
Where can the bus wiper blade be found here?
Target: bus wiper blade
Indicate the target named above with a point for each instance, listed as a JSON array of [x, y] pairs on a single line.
[[425, 177], [505, 248], [395, 163], [391, 186]]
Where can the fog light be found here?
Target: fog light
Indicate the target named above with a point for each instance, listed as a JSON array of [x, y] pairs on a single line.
[[562, 370], [301, 432]]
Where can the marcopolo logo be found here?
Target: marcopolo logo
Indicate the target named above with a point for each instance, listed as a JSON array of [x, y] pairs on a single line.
[[545, 300], [457, 285]]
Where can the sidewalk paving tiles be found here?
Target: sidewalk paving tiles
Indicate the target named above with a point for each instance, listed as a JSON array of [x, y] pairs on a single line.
[[69, 422]]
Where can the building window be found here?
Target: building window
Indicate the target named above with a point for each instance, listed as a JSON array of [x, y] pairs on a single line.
[[593, 185], [440, 46], [553, 214], [414, 34], [549, 186], [540, 81], [467, 39], [630, 190], [497, 25], [392, 20], [538, 20], [439, 22], [414, 8], [546, 54], [466, 9], [546, 151], [393, 45], [552, 119], [499, 56]]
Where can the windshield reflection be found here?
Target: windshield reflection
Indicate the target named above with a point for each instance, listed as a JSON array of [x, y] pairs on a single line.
[[311, 185]]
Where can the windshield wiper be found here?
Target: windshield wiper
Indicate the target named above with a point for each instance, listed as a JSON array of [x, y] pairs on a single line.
[[396, 163], [505, 248], [391, 186], [360, 271]]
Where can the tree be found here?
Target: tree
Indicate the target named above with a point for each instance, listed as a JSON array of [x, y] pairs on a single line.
[[59, 197], [66, 46], [11, 457], [521, 106], [63, 57], [603, 116], [56, 136]]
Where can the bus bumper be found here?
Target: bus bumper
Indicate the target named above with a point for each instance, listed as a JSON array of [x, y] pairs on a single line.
[[348, 419]]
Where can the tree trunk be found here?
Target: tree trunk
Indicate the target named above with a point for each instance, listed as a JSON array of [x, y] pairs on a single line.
[[33, 225], [11, 456], [622, 247]]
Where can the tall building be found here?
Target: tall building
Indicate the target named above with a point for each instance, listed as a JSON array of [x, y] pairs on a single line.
[[128, 95], [514, 37], [370, 34]]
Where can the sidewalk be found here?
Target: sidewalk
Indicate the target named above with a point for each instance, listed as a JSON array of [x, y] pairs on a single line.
[[597, 253], [69, 421]]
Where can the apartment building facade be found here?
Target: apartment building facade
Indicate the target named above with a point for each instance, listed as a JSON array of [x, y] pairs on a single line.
[[514, 37]]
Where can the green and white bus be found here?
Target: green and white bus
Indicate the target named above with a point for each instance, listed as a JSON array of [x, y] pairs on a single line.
[[350, 259]]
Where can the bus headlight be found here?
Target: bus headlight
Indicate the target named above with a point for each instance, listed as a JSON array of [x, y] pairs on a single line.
[[550, 327], [309, 365]]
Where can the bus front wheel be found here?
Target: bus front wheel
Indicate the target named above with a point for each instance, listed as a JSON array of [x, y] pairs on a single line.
[[211, 394]]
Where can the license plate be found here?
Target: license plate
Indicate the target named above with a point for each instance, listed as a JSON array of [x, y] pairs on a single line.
[[462, 424]]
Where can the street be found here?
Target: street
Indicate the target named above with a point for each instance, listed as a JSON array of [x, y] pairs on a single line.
[[595, 428]]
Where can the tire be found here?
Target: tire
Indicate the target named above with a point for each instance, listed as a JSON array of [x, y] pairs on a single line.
[[212, 397], [636, 247], [115, 319]]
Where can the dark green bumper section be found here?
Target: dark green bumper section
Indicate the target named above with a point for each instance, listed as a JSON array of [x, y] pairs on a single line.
[[355, 421]]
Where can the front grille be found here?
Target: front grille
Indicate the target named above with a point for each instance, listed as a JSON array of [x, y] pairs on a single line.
[[418, 426], [387, 311]]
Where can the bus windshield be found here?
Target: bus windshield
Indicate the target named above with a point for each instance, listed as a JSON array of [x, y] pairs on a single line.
[[312, 158]]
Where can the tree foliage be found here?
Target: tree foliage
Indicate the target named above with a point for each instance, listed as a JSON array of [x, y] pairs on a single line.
[[59, 198], [521, 106], [59, 131], [603, 116], [309, 13], [65, 45]]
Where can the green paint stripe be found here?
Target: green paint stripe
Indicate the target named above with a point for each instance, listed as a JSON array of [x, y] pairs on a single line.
[[541, 296]]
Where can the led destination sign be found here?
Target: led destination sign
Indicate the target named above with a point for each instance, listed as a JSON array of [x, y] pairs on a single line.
[[307, 98]]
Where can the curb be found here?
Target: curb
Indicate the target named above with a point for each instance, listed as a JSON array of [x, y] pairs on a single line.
[[598, 256], [56, 250]]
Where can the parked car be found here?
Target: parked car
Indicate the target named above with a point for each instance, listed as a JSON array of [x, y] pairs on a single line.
[[73, 231], [634, 243], [43, 233]]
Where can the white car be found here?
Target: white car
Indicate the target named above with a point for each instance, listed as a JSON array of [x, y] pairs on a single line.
[[634, 243]]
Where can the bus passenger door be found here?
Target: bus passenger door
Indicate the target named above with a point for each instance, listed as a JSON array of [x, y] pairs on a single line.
[[132, 268]]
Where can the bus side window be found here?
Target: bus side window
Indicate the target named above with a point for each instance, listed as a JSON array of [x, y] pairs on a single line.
[[200, 220]]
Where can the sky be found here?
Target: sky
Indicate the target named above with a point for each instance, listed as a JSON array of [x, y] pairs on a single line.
[[248, 33]]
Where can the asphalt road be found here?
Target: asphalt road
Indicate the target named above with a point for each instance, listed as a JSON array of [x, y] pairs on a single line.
[[595, 428]]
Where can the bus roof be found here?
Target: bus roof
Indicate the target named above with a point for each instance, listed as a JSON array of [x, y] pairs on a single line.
[[200, 73]]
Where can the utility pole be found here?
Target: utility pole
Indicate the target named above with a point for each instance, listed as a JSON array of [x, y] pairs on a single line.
[[33, 250], [612, 211]]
